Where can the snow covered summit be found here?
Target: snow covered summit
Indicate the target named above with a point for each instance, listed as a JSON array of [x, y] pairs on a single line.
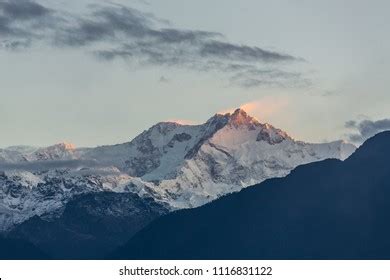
[[181, 165]]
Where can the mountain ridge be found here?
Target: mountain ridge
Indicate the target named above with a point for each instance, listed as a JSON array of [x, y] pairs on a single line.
[[183, 166], [330, 209]]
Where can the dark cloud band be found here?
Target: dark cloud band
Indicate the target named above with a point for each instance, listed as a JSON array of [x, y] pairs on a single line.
[[23, 10], [366, 129], [115, 31]]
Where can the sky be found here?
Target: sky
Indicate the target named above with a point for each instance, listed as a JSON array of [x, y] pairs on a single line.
[[100, 72]]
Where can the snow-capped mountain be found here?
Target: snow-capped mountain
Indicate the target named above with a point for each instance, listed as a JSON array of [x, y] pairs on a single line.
[[182, 165], [224, 155], [189, 165], [17, 154]]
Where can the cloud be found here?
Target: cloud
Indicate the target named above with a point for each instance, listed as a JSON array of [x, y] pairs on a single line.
[[264, 109], [23, 10], [249, 76], [163, 79], [22, 22], [366, 129], [15, 45], [115, 31], [49, 165], [242, 53]]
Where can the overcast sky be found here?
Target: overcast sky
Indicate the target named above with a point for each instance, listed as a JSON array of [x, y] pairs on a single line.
[[97, 72]]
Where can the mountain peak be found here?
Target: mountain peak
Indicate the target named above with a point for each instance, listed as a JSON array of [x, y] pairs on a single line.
[[240, 117], [240, 111], [65, 146]]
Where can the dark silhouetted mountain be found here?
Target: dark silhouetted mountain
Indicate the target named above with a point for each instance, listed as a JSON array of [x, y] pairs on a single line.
[[14, 249], [91, 225], [324, 210]]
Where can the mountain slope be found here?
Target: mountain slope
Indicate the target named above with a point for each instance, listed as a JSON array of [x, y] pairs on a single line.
[[24, 194], [90, 225], [324, 210], [61, 151], [16, 249]]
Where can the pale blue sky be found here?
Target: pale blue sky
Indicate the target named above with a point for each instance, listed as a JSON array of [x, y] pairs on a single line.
[[51, 93]]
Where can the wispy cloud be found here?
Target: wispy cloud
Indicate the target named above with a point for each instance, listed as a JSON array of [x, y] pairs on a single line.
[[115, 31], [23, 10], [163, 79], [366, 128], [264, 108], [21, 22]]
